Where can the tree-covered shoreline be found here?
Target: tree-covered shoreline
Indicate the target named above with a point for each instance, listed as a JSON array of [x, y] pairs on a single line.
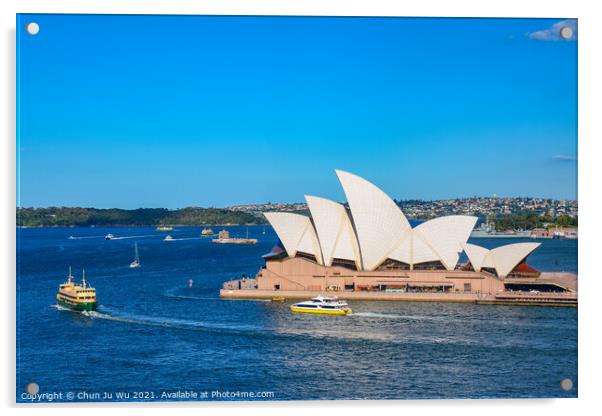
[[530, 220], [85, 217]]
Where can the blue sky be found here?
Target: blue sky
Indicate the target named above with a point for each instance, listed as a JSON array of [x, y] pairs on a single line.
[[174, 111]]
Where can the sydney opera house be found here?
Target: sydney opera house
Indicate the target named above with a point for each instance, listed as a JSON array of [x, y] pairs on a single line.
[[369, 249]]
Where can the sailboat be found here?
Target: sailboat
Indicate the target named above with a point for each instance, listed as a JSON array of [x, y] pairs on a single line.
[[136, 262]]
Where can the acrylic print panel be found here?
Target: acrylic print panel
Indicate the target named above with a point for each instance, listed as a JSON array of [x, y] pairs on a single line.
[[295, 208]]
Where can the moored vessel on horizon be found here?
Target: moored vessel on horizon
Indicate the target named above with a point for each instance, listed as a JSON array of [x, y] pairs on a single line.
[[78, 297], [164, 228], [487, 230], [322, 305]]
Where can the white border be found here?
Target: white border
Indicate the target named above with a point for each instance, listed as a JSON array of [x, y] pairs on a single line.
[[590, 177]]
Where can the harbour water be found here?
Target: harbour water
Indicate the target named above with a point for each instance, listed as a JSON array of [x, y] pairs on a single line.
[[153, 334]]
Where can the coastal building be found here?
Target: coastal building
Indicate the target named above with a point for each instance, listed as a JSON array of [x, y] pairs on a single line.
[[556, 232], [540, 233], [369, 246]]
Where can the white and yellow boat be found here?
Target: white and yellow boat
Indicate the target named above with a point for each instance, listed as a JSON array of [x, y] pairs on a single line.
[[322, 305]]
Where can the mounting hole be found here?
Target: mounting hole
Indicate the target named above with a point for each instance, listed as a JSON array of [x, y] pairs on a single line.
[[566, 384], [32, 28], [566, 33], [33, 388]]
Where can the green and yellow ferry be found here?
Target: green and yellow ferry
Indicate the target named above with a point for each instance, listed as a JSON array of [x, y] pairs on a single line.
[[79, 297]]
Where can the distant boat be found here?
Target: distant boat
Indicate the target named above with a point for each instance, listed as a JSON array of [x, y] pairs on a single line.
[[168, 238], [224, 238], [263, 232], [109, 236], [136, 263], [164, 228], [207, 231], [487, 229], [71, 237]]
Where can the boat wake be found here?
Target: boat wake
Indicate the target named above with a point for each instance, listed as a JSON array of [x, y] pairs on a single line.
[[189, 297], [228, 328], [377, 315], [84, 237], [134, 236], [395, 316], [171, 294], [60, 308], [113, 315], [183, 238], [110, 314]]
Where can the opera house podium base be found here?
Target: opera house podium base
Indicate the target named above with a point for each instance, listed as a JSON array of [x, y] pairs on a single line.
[[504, 298], [299, 278]]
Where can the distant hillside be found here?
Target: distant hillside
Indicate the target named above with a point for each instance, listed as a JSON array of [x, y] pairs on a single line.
[[63, 216], [483, 207]]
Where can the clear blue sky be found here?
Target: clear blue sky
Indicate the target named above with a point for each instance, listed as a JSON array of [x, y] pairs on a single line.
[[174, 111]]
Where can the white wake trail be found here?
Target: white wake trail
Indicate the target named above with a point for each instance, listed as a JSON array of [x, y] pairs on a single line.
[[134, 236]]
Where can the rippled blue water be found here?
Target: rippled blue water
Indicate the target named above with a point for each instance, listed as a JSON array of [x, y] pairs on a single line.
[[153, 333]]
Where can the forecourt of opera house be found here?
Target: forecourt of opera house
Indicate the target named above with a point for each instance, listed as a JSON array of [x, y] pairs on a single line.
[[370, 251]]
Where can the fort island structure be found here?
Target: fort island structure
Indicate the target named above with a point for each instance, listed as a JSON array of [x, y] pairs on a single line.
[[367, 249]]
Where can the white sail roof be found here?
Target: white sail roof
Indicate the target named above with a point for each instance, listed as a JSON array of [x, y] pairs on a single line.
[[503, 259], [476, 255], [379, 223], [439, 239], [296, 233], [404, 249], [509, 256], [445, 236], [422, 249], [334, 229]]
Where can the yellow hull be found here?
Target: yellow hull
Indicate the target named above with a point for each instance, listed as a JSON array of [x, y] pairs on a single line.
[[321, 311]]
